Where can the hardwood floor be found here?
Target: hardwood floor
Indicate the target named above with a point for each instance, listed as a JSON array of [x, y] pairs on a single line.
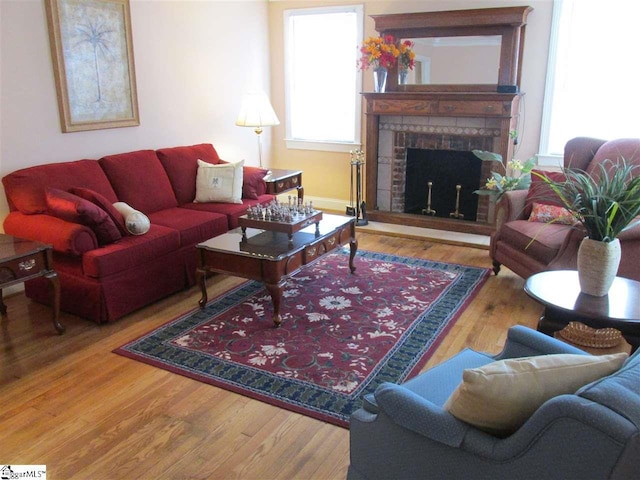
[[70, 403]]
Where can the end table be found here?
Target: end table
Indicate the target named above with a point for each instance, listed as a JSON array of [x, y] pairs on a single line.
[[280, 181], [22, 260], [559, 292]]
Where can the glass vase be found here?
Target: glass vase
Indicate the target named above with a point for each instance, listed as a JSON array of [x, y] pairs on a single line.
[[379, 79], [403, 77]]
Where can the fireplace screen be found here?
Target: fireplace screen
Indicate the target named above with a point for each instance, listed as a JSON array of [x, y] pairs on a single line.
[[441, 183]]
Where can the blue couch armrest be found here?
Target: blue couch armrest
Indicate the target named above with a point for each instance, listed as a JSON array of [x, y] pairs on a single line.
[[414, 413], [526, 342]]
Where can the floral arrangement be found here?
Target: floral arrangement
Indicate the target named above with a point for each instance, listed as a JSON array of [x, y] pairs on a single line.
[[517, 175], [407, 57], [378, 52]]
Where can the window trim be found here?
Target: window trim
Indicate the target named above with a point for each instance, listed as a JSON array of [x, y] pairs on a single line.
[[544, 157], [306, 144]]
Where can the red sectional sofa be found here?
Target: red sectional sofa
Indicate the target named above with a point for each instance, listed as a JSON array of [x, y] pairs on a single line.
[[106, 282]]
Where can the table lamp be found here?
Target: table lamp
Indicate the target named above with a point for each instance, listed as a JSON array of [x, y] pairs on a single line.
[[256, 111]]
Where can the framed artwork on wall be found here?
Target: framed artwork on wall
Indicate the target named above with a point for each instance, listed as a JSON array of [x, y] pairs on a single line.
[[93, 65]]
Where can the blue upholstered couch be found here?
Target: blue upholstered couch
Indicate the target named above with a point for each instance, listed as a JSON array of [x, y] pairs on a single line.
[[402, 431]]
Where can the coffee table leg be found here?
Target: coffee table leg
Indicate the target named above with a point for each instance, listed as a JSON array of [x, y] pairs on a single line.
[[353, 247], [551, 322], [201, 279], [275, 290], [3, 307], [633, 340]]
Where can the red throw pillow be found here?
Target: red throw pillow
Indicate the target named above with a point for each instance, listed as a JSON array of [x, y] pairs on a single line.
[[102, 202], [253, 184], [540, 192], [72, 208]]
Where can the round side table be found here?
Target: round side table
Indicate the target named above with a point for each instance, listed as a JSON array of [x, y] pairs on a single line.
[[559, 292]]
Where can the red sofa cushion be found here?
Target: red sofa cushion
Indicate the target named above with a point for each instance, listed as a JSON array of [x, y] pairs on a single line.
[[133, 251], [102, 202], [181, 166], [74, 209], [139, 179], [253, 184], [25, 188], [193, 226]]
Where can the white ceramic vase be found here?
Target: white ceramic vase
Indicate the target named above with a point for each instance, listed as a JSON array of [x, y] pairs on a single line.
[[598, 264]]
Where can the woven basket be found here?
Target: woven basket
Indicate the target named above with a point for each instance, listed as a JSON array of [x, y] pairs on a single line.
[[581, 334]]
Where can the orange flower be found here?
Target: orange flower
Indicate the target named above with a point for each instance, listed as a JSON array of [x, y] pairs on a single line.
[[378, 52]]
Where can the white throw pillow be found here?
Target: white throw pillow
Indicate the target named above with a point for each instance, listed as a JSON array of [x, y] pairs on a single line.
[[501, 396], [136, 222], [219, 183]]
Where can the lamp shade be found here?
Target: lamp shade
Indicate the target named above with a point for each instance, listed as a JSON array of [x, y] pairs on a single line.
[[256, 111]]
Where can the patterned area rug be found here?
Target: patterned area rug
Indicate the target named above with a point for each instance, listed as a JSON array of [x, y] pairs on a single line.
[[341, 334]]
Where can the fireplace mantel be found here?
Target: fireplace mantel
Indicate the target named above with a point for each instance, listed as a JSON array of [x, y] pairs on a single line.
[[449, 108], [451, 115]]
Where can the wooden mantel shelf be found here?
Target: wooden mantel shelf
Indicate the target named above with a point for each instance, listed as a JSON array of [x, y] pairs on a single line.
[[459, 104]]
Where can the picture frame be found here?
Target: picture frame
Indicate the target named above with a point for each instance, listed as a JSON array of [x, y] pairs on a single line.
[[92, 53]]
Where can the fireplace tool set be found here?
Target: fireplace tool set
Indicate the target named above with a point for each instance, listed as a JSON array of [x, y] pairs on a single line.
[[360, 209]]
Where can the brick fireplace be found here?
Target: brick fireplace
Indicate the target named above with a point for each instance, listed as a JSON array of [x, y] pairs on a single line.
[[432, 120], [398, 133]]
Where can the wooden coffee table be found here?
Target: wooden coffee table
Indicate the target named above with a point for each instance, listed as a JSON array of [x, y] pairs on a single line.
[[559, 292], [272, 257]]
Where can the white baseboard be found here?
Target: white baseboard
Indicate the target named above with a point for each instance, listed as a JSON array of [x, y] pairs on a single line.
[[13, 289], [321, 203]]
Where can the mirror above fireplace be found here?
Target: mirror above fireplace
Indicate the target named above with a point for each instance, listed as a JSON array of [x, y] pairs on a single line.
[[503, 28], [456, 60]]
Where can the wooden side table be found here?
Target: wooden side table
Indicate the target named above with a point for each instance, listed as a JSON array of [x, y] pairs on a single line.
[[280, 181], [22, 260], [559, 292]]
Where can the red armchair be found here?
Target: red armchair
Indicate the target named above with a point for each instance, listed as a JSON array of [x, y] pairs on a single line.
[[530, 247]]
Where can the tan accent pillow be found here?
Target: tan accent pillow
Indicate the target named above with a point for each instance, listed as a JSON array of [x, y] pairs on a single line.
[[219, 183], [501, 396]]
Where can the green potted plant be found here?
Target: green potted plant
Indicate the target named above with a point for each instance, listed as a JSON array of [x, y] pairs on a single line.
[[605, 204], [516, 175]]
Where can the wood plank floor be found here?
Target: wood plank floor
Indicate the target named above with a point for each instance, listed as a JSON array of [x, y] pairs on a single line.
[[70, 403]]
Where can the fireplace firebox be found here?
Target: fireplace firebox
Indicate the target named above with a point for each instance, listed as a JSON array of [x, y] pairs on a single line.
[[441, 183]]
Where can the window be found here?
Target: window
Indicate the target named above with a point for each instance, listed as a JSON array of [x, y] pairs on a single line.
[[322, 82], [592, 76]]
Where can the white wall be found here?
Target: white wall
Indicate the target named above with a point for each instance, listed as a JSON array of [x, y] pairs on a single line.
[[193, 59]]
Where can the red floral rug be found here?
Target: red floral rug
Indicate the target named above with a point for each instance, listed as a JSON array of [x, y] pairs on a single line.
[[341, 336]]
